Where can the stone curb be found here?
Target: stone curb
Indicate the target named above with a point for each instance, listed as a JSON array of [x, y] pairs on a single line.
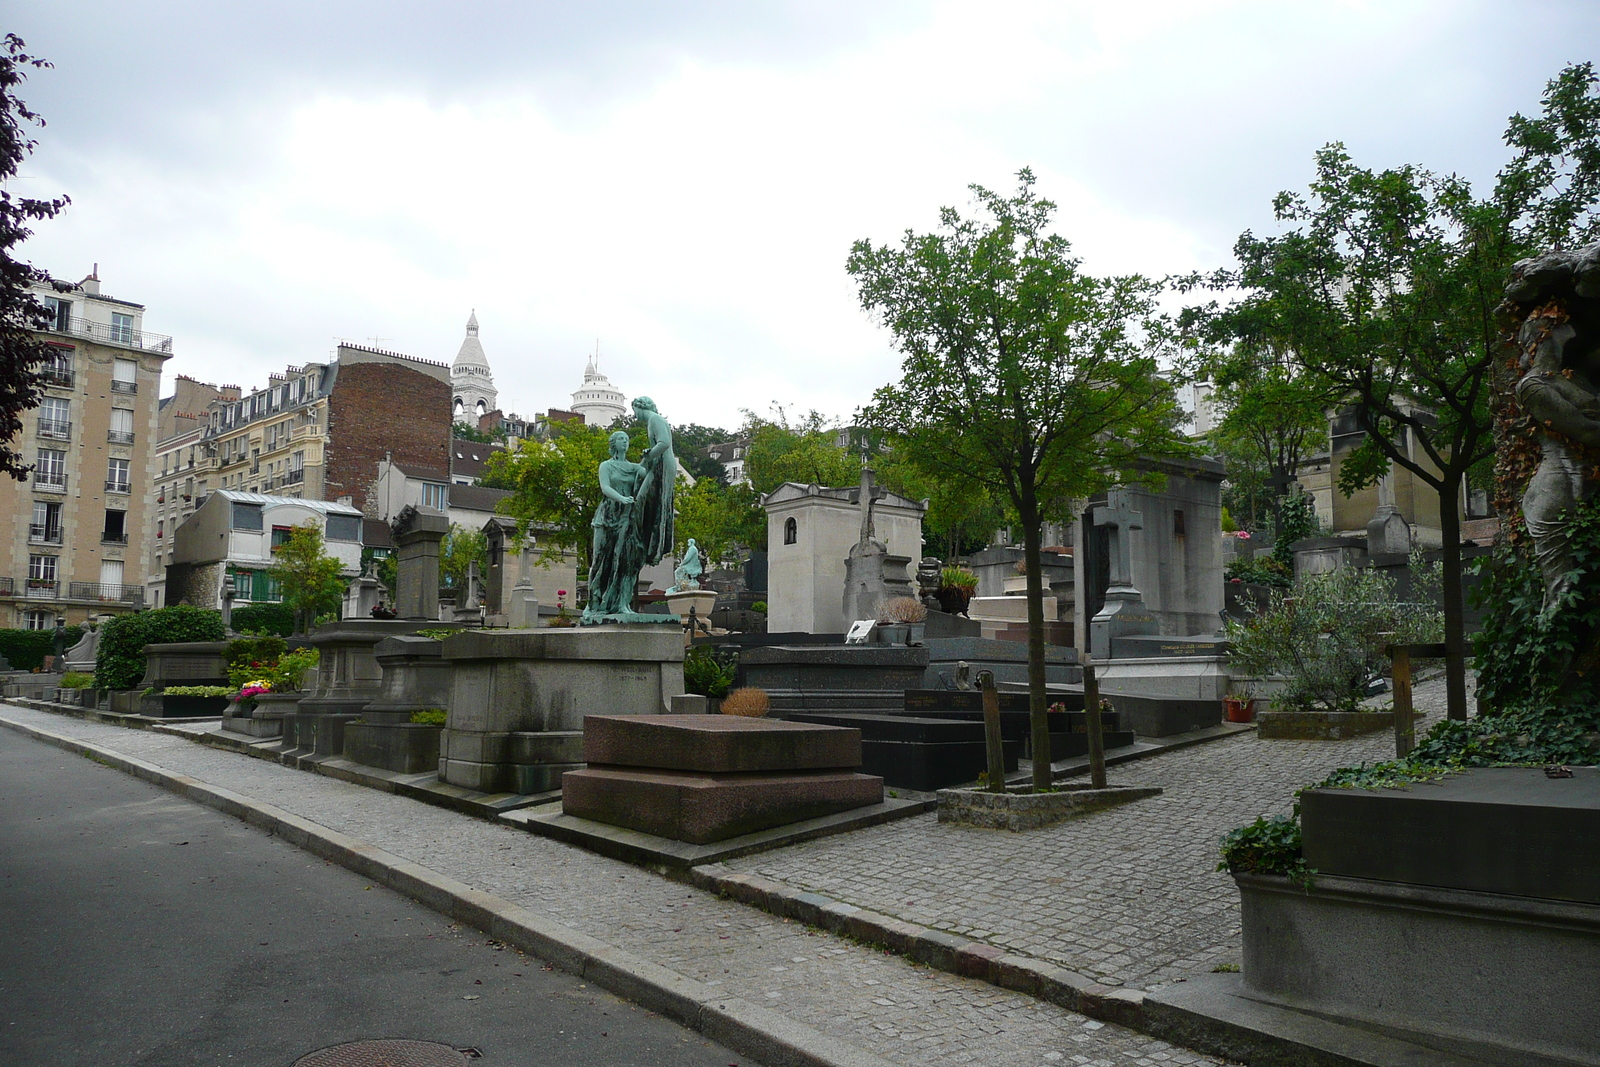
[[935, 948], [749, 1029]]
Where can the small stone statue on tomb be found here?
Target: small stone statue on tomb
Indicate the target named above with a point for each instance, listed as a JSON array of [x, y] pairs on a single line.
[[686, 575], [58, 641]]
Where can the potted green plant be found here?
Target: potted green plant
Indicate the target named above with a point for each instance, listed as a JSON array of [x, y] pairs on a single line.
[[956, 587]]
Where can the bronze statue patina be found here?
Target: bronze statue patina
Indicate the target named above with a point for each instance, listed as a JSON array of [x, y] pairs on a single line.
[[633, 524], [686, 576]]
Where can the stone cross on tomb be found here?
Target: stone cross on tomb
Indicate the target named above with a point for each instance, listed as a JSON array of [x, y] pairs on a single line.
[[1119, 520], [869, 493]]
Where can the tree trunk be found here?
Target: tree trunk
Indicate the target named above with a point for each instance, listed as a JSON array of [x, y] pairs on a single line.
[[1032, 537], [1455, 643]]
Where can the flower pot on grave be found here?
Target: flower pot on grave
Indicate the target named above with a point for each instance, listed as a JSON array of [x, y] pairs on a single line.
[[261, 715], [1238, 709], [894, 633]]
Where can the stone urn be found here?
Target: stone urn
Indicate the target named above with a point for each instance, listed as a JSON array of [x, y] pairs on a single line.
[[701, 600]]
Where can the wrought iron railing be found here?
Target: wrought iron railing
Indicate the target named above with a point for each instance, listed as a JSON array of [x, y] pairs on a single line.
[[116, 487], [56, 376], [125, 336], [118, 386], [51, 482], [109, 538], [42, 587], [120, 437], [8, 587], [122, 594], [43, 534], [55, 428], [297, 476]]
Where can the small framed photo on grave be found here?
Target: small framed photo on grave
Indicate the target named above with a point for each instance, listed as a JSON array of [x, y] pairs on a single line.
[[860, 630]]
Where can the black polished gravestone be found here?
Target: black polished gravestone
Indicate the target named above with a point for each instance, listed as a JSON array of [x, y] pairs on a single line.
[[1068, 729], [1508, 830], [914, 752]]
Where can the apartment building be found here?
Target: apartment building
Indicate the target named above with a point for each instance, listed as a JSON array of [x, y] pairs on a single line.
[[182, 475], [72, 534], [227, 543], [318, 431]]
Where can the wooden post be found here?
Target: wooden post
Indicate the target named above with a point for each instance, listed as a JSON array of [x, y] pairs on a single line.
[[1093, 726], [991, 732], [1405, 728]]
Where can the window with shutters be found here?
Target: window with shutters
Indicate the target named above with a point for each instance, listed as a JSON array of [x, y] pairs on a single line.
[[124, 376], [121, 426]]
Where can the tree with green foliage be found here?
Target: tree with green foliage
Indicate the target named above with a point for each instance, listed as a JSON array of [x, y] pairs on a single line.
[[466, 432], [1274, 415], [690, 442], [1385, 283], [460, 549], [721, 518], [804, 450], [1020, 374], [962, 514], [555, 485], [311, 581], [22, 351]]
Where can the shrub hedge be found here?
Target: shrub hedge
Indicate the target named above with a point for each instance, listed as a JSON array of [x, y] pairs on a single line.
[[26, 649], [264, 618], [120, 661]]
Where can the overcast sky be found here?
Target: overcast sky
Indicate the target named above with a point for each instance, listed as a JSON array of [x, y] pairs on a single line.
[[683, 181]]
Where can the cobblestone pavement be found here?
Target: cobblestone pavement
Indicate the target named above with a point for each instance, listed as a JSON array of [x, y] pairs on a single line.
[[1128, 896], [877, 1002]]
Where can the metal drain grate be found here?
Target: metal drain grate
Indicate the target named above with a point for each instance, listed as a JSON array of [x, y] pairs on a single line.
[[385, 1054]]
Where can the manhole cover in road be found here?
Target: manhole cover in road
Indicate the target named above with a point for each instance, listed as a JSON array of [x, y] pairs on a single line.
[[385, 1054]]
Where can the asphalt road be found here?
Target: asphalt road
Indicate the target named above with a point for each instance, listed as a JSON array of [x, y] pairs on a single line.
[[138, 928]]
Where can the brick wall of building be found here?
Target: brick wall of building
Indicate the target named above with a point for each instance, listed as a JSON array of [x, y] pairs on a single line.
[[383, 408]]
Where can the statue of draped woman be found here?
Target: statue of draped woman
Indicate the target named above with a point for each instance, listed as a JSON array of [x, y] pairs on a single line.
[[661, 478], [633, 524]]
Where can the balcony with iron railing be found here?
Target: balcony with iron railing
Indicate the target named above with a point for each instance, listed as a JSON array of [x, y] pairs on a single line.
[[122, 336], [43, 534], [120, 437], [109, 538], [8, 587], [296, 476], [57, 377], [119, 386], [55, 429], [42, 587], [116, 487], [49, 481], [121, 594]]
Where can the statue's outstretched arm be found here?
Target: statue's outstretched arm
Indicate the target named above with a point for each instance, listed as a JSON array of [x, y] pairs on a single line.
[[1561, 406]]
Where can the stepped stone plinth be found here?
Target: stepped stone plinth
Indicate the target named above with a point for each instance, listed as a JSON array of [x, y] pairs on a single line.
[[705, 778]]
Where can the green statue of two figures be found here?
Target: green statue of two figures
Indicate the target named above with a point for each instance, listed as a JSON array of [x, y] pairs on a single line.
[[633, 524]]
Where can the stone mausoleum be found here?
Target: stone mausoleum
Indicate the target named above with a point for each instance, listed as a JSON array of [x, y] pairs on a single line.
[[810, 532]]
